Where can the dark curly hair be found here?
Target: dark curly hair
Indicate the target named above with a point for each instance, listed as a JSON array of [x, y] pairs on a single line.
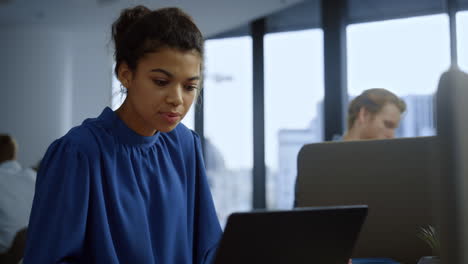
[[140, 30]]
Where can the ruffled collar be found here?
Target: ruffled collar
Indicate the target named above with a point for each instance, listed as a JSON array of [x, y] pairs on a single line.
[[123, 133]]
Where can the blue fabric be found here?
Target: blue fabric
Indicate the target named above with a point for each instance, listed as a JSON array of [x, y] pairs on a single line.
[[374, 261], [105, 194]]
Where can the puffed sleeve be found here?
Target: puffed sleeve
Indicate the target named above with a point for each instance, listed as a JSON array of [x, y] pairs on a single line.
[[57, 225], [208, 230]]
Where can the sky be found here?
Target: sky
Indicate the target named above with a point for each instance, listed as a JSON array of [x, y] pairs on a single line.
[[294, 84], [405, 56], [228, 99], [462, 34]]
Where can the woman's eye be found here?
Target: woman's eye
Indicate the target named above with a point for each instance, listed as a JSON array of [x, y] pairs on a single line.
[[191, 87], [160, 82]]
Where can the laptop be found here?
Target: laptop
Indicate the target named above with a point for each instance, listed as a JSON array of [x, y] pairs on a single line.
[[394, 177], [324, 235]]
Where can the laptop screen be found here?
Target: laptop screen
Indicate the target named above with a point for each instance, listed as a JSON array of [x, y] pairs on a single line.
[[307, 235]]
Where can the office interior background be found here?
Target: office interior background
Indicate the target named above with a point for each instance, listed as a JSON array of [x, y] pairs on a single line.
[[278, 75]]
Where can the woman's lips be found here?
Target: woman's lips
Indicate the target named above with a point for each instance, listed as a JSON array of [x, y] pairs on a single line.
[[170, 117]]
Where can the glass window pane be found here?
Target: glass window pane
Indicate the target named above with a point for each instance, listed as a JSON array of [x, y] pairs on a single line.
[[405, 56], [294, 90], [462, 36], [228, 123]]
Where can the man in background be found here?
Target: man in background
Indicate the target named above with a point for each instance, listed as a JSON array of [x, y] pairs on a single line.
[[375, 114], [16, 194]]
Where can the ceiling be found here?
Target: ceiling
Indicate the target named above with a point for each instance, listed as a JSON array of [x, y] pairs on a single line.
[[212, 16], [307, 14]]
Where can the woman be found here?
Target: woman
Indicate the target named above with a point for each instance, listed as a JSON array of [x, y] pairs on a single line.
[[129, 186]]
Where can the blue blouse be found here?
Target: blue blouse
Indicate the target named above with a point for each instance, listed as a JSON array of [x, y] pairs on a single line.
[[105, 194]]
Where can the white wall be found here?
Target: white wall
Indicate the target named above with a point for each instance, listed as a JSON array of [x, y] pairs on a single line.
[[92, 72], [50, 81], [34, 88]]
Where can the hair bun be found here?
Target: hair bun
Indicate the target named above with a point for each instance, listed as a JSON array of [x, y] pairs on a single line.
[[126, 19]]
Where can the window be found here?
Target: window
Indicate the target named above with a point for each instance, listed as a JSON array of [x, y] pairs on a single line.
[[405, 56], [462, 36], [294, 91], [228, 123]]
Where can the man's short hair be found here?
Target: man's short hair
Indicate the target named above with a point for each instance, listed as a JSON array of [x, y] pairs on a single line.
[[7, 148], [373, 100]]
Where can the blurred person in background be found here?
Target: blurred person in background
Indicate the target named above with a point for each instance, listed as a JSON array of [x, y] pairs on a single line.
[[16, 196], [374, 114]]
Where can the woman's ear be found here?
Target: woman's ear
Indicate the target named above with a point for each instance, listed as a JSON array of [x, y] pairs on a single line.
[[125, 75]]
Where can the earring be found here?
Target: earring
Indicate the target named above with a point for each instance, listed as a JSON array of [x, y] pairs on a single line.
[[123, 89]]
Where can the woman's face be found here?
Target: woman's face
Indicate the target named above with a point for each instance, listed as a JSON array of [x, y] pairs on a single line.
[[160, 90]]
